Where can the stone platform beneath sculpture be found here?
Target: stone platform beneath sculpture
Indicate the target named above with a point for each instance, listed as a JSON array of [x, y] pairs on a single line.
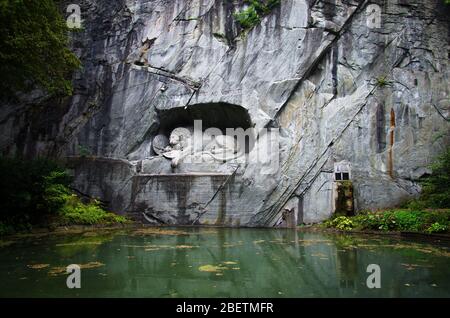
[[160, 165], [152, 192], [185, 198]]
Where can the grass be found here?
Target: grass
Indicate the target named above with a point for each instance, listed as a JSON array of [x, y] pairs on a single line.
[[382, 81]]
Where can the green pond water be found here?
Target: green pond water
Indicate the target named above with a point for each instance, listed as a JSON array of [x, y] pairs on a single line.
[[219, 262]]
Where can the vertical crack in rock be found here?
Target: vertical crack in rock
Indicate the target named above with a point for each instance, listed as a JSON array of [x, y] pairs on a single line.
[[334, 69], [391, 144], [380, 128]]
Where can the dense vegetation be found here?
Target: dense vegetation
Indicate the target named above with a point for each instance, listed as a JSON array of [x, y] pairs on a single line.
[[36, 193], [33, 48], [436, 187], [256, 9], [430, 213], [405, 220]]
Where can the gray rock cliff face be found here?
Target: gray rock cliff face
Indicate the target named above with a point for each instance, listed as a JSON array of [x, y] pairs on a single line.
[[337, 86]]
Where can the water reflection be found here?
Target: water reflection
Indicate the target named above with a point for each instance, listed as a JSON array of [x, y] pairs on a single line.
[[215, 262]]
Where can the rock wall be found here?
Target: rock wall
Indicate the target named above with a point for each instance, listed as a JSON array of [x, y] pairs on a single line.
[[338, 88]]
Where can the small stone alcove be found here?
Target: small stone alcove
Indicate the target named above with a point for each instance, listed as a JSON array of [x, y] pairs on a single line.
[[212, 115], [218, 115]]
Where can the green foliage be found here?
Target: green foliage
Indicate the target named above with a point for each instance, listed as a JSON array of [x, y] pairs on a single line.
[[6, 229], [33, 48], [408, 220], [382, 81], [342, 223], [251, 16], [436, 187], [343, 205], [247, 18], [33, 192], [76, 212], [395, 220], [83, 151], [26, 188], [437, 228]]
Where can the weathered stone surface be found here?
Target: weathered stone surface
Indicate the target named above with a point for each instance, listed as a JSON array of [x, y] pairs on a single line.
[[337, 89], [189, 199]]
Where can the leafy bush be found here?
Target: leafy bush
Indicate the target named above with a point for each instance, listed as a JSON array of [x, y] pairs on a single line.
[[408, 220], [76, 212], [342, 223], [28, 190], [436, 187], [436, 228], [34, 192], [256, 9], [382, 81], [395, 220], [247, 18], [33, 48], [6, 229]]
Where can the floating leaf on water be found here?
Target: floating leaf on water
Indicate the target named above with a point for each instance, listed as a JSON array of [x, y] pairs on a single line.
[[232, 245], [79, 243], [318, 255], [38, 266], [416, 265], [6, 243], [229, 263], [54, 271], [89, 234], [157, 247], [185, 246], [315, 241], [210, 268], [368, 246], [158, 231], [91, 265]]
